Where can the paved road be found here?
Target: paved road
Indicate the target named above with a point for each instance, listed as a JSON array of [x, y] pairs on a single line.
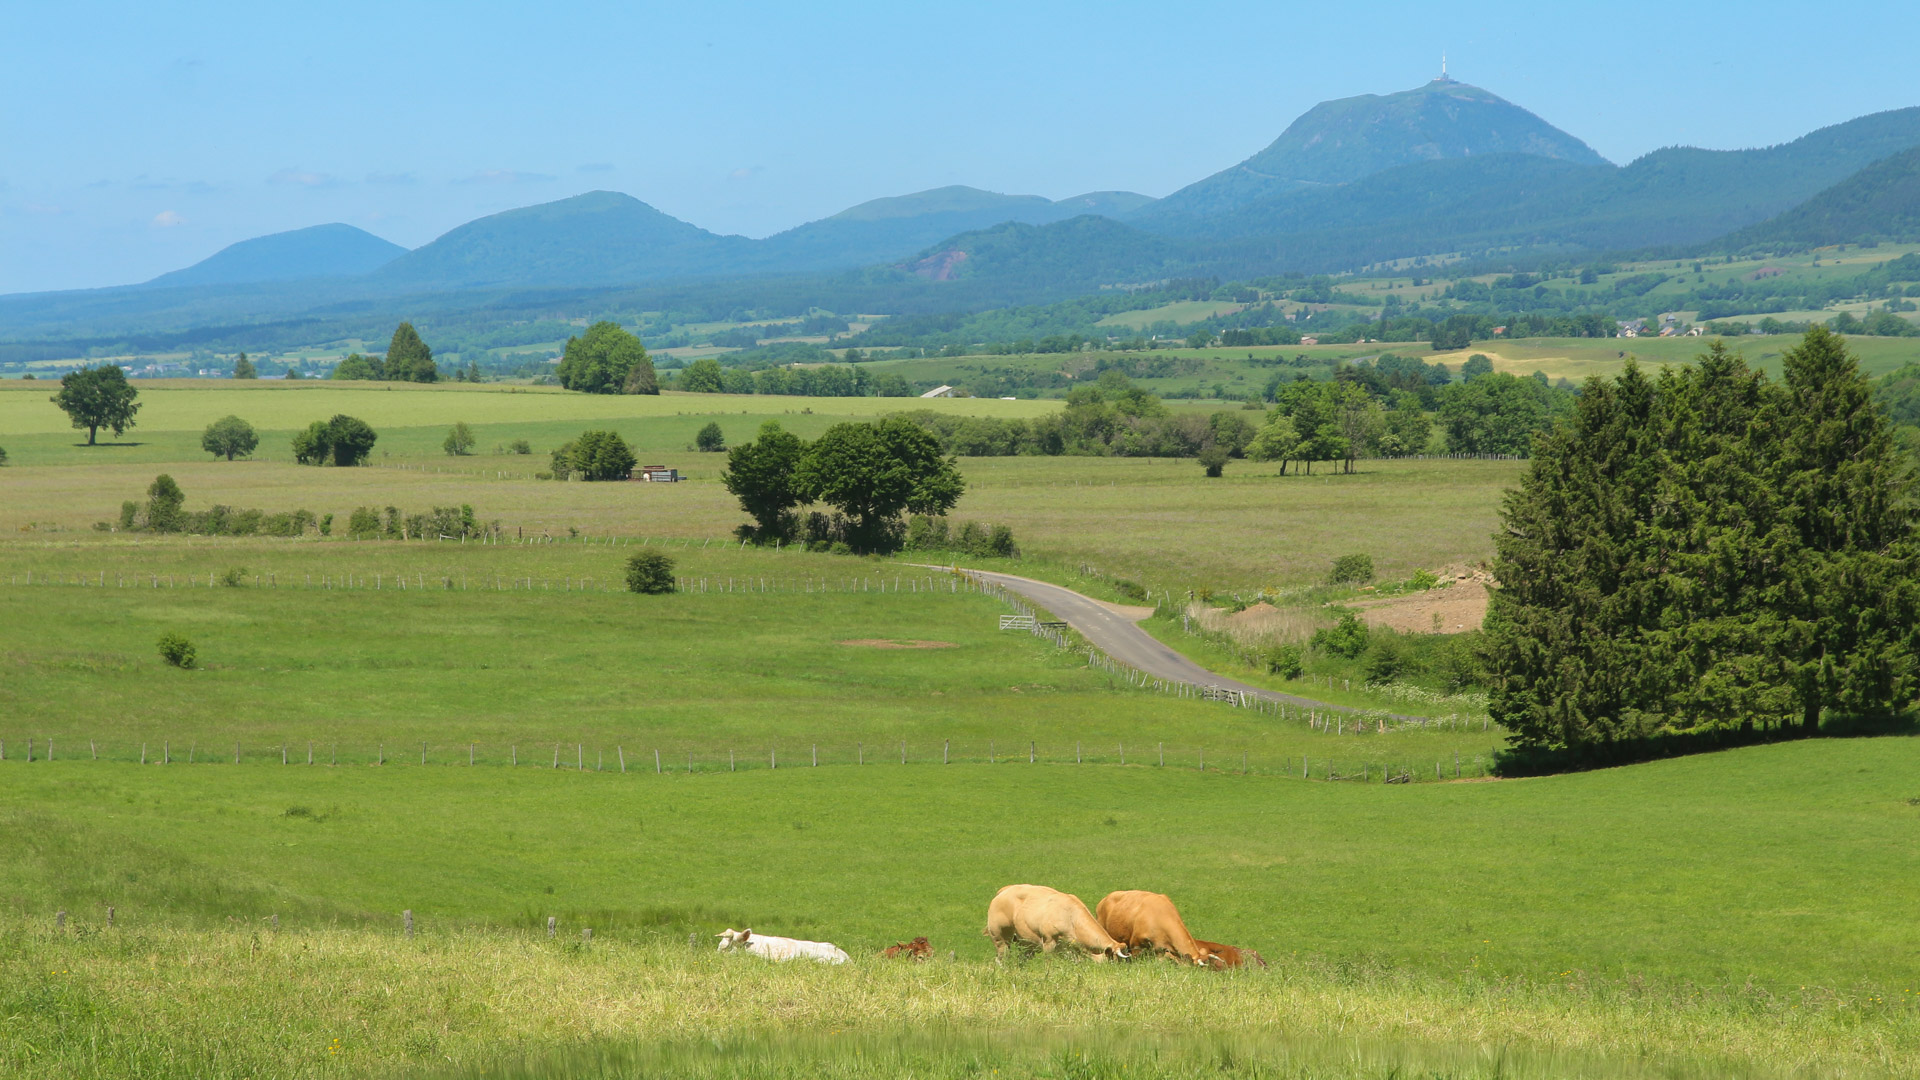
[[1121, 638]]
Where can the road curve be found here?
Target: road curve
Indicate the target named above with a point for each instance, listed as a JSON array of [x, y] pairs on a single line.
[[1121, 638]]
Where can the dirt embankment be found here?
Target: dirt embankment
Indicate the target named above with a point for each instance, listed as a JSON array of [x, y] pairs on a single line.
[[1457, 605]]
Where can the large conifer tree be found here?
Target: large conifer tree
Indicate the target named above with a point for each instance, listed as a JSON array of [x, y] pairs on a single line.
[[1708, 551], [408, 359]]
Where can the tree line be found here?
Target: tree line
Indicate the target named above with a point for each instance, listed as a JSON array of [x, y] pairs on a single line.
[[1704, 551]]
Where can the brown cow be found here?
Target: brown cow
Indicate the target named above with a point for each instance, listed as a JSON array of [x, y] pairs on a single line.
[[1220, 957], [1045, 918], [1136, 918], [918, 949]]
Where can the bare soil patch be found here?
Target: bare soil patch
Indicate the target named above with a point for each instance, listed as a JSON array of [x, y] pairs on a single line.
[[1458, 607], [883, 643]]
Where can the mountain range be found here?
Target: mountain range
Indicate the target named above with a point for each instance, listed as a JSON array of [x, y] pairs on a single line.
[[1442, 168]]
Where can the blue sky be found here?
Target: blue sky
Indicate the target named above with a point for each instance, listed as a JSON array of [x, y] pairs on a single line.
[[136, 138]]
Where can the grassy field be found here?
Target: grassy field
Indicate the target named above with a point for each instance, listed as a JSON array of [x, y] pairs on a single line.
[[1749, 907], [1736, 914], [495, 663]]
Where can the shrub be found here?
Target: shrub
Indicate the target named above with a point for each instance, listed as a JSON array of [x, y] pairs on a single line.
[[1351, 570], [1214, 460], [839, 547], [326, 525], [1422, 580], [234, 577], [176, 650], [710, 439], [928, 533], [164, 499], [1284, 661], [650, 573], [520, 446], [3, 455], [364, 523], [1385, 660], [459, 441], [1346, 639]]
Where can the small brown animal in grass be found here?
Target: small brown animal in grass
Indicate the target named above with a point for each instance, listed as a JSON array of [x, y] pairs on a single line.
[[1220, 957], [918, 949]]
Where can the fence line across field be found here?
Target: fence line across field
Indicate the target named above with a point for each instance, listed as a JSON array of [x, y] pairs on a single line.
[[681, 759]]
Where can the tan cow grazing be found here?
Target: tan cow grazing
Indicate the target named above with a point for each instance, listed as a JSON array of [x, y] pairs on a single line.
[[1136, 918], [1046, 919], [1221, 957]]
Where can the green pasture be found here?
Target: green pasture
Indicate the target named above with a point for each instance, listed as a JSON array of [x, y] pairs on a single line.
[[1156, 521], [356, 647], [1740, 914], [1183, 311]]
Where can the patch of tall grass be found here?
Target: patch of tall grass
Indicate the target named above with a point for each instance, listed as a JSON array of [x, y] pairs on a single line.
[[158, 1003]]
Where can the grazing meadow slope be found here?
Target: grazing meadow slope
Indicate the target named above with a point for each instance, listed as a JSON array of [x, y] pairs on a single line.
[[467, 731]]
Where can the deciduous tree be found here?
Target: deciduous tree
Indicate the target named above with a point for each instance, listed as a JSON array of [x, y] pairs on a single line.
[[604, 360], [96, 398], [230, 437], [875, 473], [762, 475]]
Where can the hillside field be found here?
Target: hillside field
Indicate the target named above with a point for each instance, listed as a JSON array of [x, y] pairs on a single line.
[[469, 708]]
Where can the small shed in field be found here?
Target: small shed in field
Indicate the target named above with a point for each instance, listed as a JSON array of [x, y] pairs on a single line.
[[657, 474]]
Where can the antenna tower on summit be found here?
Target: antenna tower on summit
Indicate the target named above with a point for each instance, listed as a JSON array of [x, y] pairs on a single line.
[[1443, 78]]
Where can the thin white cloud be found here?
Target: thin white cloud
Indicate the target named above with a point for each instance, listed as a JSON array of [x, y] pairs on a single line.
[[303, 178], [167, 219], [390, 178], [505, 176]]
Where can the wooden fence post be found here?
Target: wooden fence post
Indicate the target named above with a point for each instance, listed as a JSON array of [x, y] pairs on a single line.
[[622, 751], [903, 750], [816, 755], [408, 916], [656, 761], [1030, 752], [1163, 754], [109, 916], [236, 753], [586, 935], [552, 924], [556, 755], [946, 751], [730, 767], [579, 757], [773, 757]]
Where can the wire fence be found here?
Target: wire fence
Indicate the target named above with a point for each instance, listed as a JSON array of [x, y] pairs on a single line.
[[1349, 766]]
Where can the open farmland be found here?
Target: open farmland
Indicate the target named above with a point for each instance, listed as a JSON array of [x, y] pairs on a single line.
[[1733, 914]]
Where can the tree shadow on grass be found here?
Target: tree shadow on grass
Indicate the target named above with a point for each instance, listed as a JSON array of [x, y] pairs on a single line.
[[103, 444], [1542, 761]]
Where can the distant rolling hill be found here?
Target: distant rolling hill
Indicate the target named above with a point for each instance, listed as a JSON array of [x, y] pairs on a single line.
[[884, 230], [1338, 142], [599, 238], [323, 251], [1879, 203]]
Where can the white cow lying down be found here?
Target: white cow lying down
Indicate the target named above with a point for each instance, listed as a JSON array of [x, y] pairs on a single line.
[[781, 948]]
